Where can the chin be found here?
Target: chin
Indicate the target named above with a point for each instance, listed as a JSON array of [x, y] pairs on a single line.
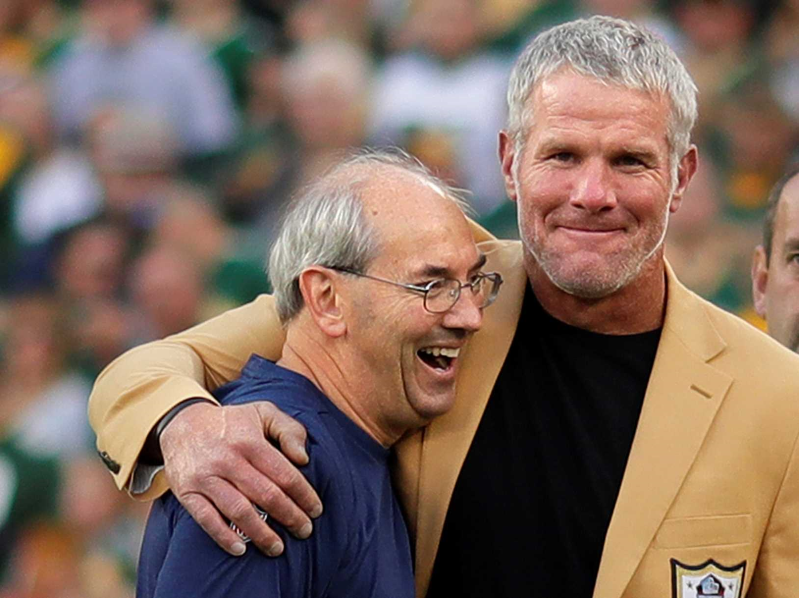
[[432, 407]]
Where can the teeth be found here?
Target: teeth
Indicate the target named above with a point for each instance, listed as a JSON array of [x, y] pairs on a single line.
[[444, 351]]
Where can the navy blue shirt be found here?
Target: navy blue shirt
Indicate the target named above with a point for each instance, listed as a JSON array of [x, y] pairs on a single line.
[[360, 543]]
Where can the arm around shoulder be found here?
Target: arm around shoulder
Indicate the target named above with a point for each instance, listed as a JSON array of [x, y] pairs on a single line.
[[139, 387]]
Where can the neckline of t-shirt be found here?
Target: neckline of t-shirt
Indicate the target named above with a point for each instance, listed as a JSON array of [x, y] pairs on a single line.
[[533, 311]]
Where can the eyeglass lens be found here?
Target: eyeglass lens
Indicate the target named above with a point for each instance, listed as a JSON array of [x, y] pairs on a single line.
[[445, 293]]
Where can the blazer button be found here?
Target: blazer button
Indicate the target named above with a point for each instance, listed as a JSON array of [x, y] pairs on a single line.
[[112, 465]]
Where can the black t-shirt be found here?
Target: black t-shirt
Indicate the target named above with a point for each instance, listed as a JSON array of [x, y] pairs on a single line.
[[534, 498]]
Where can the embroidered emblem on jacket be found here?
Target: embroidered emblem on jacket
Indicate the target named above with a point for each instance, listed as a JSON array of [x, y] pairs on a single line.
[[708, 580]]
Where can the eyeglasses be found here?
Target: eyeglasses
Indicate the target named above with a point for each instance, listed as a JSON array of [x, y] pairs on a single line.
[[442, 294]]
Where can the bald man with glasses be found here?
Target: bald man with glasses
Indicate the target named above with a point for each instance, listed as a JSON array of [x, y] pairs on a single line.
[[366, 360]]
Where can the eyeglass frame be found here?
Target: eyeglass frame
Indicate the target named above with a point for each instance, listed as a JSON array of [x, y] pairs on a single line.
[[495, 277]]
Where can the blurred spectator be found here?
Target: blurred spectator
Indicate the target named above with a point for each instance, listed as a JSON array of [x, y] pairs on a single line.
[[135, 155], [752, 138], [259, 172], [29, 486], [124, 57], [89, 273], [235, 38], [71, 520], [231, 262], [43, 401], [327, 91], [352, 21], [444, 98], [167, 287], [58, 187], [775, 263], [15, 48], [45, 564], [324, 94], [718, 38], [32, 32], [91, 262], [780, 55], [706, 250]]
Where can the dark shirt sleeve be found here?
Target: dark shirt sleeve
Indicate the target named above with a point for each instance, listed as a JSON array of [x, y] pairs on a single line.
[[193, 565]]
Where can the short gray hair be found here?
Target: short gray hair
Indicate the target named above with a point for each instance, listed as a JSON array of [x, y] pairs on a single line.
[[613, 51], [325, 223]]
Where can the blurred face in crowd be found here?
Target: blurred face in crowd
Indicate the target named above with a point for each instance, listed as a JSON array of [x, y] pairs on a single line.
[[449, 28], [592, 182], [408, 351], [116, 22], [775, 277], [35, 343], [91, 264], [168, 287]]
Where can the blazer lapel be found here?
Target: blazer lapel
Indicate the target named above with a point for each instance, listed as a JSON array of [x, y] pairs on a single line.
[[682, 398], [447, 439]]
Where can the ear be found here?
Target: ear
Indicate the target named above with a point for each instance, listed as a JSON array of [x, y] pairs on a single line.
[[686, 169], [322, 300], [759, 272], [506, 149]]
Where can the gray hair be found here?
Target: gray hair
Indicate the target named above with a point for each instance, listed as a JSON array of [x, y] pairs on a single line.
[[613, 51], [325, 224]]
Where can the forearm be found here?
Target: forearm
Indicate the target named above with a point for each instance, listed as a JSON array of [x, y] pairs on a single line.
[[138, 388]]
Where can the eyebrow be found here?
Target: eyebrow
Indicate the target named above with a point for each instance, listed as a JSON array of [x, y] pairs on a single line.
[[443, 272], [638, 152]]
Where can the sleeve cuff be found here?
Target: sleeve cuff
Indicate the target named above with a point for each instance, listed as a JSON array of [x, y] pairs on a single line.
[[142, 478]]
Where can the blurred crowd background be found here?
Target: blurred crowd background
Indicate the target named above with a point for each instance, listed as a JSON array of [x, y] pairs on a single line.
[[147, 148]]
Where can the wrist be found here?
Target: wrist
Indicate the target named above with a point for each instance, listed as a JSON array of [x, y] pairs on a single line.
[[151, 451], [167, 418]]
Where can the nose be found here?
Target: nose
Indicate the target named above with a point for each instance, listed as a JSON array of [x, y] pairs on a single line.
[[465, 314], [592, 190]]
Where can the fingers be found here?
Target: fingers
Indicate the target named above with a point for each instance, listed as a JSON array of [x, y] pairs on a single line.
[[286, 431], [273, 493], [214, 501], [291, 437], [238, 509], [207, 517]]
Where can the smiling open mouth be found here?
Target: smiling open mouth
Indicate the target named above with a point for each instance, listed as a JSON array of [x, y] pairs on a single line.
[[438, 358]]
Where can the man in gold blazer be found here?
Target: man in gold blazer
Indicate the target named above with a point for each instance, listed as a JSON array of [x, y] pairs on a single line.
[[614, 435]]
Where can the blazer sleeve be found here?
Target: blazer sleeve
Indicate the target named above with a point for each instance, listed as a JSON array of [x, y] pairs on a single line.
[[776, 572], [139, 387]]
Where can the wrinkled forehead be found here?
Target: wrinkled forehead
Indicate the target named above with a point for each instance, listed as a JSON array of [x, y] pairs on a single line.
[[566, 76], [415, 220]]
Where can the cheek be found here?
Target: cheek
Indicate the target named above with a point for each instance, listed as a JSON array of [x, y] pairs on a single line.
[[782, 283], [543, 189]]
